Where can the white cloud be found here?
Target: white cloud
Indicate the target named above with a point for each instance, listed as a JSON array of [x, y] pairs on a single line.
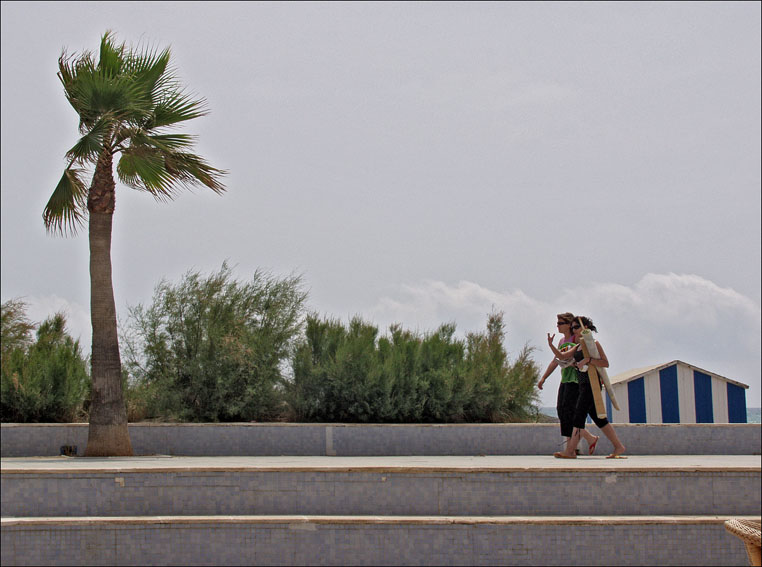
[[660, 318]]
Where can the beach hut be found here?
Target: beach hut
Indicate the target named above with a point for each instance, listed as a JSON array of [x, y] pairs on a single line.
[[676, 392]]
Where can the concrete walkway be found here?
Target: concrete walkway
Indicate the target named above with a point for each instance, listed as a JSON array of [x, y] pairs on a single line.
[[489, 463]]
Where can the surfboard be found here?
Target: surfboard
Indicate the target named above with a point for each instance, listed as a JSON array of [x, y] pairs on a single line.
[[595, 385], [589, 341]]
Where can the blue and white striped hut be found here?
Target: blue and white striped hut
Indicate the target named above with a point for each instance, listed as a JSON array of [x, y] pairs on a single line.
[[676, 392]]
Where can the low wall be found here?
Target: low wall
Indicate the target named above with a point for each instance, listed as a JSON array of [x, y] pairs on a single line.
[[368, 541], [267, 439]]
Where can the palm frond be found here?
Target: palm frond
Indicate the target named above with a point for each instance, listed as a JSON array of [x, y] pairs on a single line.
[[111, 58], [175, 107], [164, 142], [172, 142], [66, 209], [103, 90], [96, 97], [89, 146], [120, 99], [142, 168], [70, 69], [149, 69], [163, 173], [191, 169]]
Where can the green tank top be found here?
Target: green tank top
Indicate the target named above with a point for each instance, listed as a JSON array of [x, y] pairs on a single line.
[[568, 374]]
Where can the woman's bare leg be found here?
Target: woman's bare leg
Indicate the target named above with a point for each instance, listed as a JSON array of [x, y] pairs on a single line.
[[570, 451], [587, 436], [609, 432]]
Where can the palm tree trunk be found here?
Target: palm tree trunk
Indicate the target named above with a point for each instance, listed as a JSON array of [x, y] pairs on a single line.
[[108, 434]]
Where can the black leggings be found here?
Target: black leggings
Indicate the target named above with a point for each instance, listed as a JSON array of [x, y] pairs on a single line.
[[568, 392], [586, 405]]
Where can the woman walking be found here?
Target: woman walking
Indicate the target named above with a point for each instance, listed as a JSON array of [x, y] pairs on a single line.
[[568, 389], [585, 402]]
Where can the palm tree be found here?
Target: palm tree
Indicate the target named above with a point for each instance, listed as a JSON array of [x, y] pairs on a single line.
[[126, 103]]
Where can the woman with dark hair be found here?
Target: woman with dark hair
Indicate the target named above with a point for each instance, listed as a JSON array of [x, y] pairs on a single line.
[[585, 403], [568, 389]]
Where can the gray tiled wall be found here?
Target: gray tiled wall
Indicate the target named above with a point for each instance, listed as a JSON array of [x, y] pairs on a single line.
[[368, 493], [29, 440], [371, 544]]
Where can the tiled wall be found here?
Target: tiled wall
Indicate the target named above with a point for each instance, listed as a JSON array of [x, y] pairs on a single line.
[[354, 440], [372, 493], [372, 544]]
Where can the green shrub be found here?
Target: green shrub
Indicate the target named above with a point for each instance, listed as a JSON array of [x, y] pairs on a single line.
[[349, 374], [211, 348], [45, 380], [499, 391]]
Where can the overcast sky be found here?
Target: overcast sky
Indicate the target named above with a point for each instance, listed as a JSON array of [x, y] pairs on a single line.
[[424, 163]]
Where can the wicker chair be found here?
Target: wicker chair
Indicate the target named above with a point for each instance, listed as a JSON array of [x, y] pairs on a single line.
[[749, 532]]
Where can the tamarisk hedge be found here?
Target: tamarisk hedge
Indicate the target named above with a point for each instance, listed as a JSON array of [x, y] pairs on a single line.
[[211, 348], [42, 379], [350, 374]]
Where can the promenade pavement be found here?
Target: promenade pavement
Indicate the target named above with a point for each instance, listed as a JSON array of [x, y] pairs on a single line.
[[487, 463]]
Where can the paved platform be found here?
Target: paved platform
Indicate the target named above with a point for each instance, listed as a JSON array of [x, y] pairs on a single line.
[[436, 463], [307, 521]]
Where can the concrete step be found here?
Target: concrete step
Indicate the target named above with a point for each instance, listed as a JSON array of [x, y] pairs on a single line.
[[382, 486], [370, 540]]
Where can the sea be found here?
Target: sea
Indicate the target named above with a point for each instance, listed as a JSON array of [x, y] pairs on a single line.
[[752, 414]]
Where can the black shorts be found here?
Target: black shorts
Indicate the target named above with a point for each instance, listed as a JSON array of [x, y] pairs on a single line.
[[586, 405], [568, 392]]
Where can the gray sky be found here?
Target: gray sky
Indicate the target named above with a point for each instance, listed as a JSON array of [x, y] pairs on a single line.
[[425, 163]]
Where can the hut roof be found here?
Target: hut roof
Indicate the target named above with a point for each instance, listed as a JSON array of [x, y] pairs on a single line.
[[638, 372]]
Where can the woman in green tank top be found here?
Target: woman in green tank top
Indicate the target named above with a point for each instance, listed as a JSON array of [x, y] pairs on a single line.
[[585, 405], [568, 389]]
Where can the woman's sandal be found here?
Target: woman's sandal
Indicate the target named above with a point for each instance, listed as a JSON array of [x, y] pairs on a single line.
[[591, 447], [559, 455]]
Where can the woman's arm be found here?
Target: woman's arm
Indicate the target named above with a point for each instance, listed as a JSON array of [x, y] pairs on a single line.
[[551, 367], [560, 355]]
